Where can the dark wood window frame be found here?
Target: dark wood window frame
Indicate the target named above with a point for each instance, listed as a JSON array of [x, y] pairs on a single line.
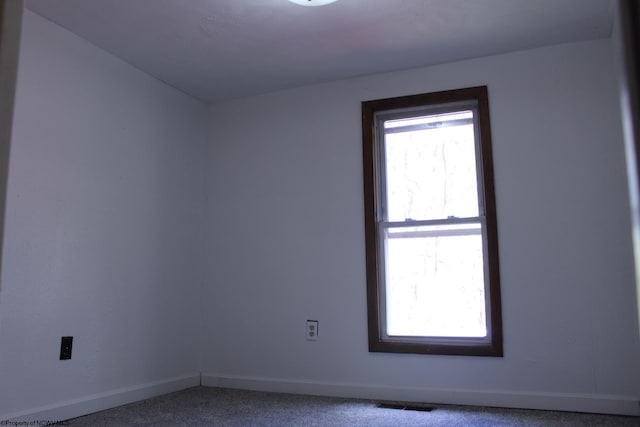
[[492, 345]]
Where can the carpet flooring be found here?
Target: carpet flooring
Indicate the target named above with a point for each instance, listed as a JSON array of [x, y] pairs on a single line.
[[210, 406]]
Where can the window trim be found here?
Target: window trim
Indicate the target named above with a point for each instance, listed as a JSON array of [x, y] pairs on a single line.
[[371, 163]]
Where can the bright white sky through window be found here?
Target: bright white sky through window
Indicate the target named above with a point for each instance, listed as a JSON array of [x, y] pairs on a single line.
[[434, 273]]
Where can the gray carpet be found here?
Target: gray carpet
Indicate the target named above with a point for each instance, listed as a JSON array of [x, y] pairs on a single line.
[[209, 406]]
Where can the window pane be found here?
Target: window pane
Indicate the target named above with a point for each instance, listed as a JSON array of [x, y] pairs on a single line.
[[435, 281], [431, 167]]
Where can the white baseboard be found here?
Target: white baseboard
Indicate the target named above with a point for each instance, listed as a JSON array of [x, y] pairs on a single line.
[[97, 402], [594, 403], [603, 404]]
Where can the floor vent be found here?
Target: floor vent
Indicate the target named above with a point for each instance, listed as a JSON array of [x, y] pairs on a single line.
[[405, 407]]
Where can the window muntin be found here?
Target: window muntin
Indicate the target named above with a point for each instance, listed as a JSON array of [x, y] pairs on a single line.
[[431, 247]]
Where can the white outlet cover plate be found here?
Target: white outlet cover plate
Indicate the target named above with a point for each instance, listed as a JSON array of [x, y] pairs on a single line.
[[312, 330]]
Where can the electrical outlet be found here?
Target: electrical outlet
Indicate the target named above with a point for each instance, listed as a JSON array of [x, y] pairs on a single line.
[[312, 330], [66, 343]]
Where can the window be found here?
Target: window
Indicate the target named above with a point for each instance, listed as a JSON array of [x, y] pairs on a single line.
[[431, 232]]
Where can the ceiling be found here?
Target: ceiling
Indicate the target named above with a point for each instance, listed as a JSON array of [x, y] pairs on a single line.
[[221, 49]]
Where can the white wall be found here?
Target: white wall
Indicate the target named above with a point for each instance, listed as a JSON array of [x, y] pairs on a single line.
[[103, 231], [286, 240]]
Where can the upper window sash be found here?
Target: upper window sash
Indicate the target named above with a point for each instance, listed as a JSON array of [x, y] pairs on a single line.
[[390, 124]]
